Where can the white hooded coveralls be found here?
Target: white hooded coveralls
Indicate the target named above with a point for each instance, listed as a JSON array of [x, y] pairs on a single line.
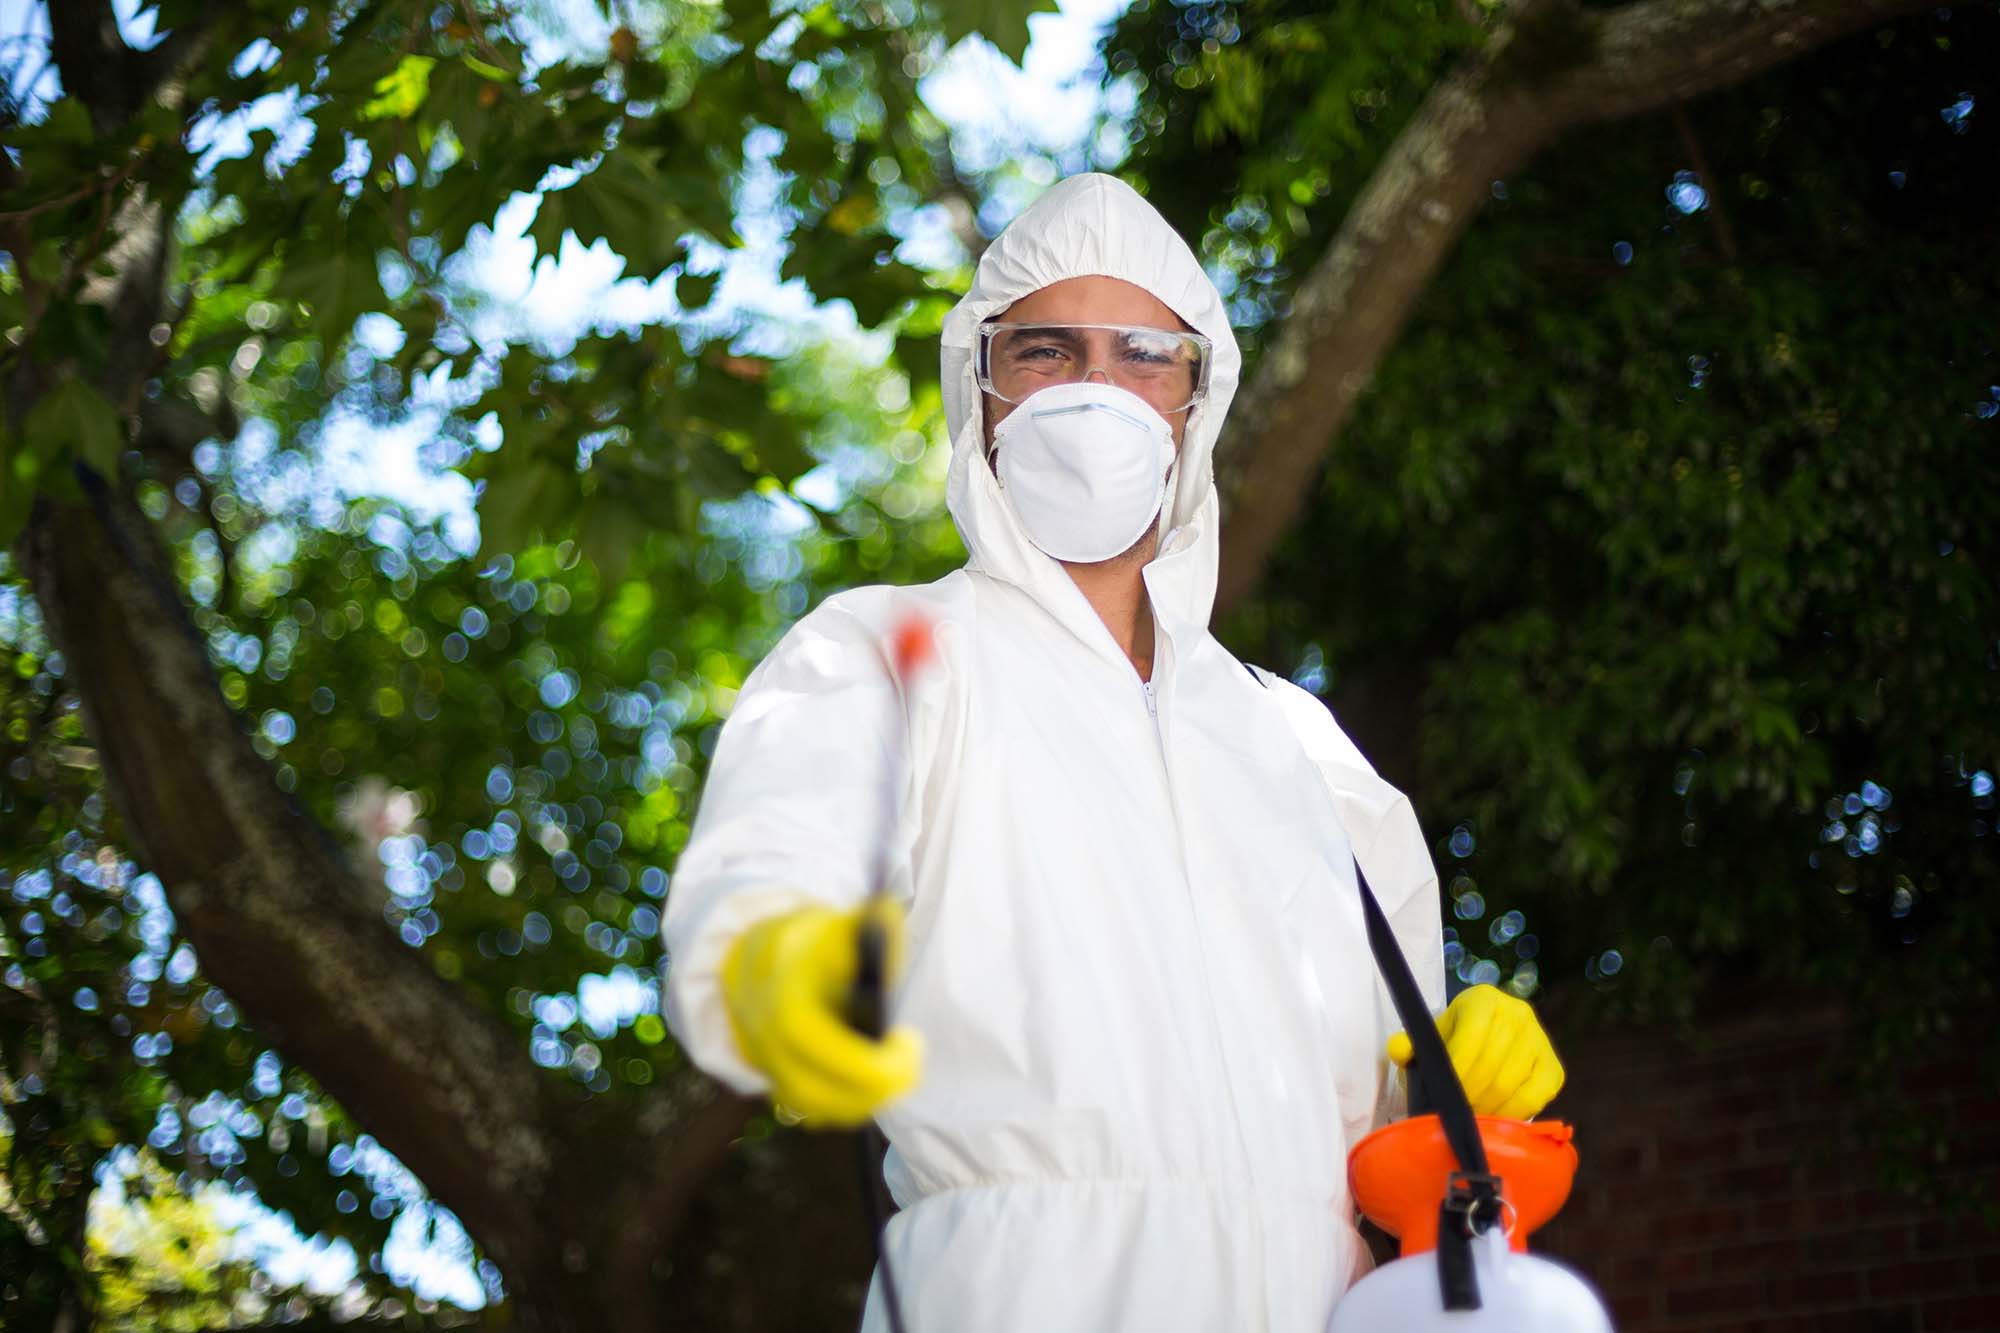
[[1135, 949]]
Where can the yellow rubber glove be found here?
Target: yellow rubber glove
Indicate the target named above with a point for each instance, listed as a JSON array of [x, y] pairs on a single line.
[[785, 982], [1497, 1045]]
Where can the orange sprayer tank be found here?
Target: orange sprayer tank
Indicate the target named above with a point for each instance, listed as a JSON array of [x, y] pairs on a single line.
[[1397, 1173]]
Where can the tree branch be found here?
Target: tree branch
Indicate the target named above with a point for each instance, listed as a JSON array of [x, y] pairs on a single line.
[[1549, 68], [1725, 231], [280, 920], [103, 73], [96, 66], [1653, 54], [283, 924], [683, 1134]]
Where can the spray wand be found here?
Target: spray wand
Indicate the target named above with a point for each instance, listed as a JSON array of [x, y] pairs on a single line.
[[912, 647]]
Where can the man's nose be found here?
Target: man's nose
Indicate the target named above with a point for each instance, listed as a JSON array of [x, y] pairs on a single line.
[[1097, 359]]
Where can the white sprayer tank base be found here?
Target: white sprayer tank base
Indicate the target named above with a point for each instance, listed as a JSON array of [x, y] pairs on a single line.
[[1519, 1293]]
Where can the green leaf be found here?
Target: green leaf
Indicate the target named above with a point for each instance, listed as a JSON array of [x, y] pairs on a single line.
[[518, 504], [18, 470], [610, 531], [694, 290], [475, 106], [859, 270], [918, 356], [67, 122], [618, 202], [338, 278], [1001, 22], [45, 261], [645, 81], [400, 92], [75, 416], [460, 202]]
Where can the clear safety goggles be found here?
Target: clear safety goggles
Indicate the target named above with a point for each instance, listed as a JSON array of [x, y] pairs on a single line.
[[1166, 367]]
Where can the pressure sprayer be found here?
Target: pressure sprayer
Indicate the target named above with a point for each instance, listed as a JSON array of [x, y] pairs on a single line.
[[1469, 1187], [910, 650]]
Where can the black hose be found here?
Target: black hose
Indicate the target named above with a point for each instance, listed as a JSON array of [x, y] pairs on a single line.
[[867, 1014], [870, 1147]]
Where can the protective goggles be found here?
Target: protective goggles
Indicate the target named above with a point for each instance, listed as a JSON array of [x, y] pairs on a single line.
[[1166, 367]]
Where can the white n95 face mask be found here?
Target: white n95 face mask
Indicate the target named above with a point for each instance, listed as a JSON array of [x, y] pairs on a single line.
[[1085, 467]]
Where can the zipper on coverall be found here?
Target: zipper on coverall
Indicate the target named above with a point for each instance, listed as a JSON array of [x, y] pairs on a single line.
[[1152, 699]]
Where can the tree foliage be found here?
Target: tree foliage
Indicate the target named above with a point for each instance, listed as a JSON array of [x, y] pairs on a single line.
[[1257, 124], [1657, 558], [503, 746]]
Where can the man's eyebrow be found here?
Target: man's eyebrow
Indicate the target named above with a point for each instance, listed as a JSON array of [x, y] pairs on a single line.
[[1054, 332]]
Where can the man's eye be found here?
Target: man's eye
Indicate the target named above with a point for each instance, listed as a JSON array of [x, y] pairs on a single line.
[[1043, 352], [1140, 351], [1151, 361]]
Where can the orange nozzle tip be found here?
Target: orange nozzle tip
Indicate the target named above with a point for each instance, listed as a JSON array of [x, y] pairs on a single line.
[[912, 645]]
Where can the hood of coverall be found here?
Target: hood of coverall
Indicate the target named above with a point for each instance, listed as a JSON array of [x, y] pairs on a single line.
[[1091, 225]]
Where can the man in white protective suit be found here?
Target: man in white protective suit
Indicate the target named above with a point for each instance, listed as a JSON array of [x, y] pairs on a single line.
[[1138, 1024]]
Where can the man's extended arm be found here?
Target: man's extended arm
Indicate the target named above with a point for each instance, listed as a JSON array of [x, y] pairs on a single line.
[[788, 835]]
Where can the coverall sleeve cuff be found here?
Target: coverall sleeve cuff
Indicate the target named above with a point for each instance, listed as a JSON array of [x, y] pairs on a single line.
[[691, 984]]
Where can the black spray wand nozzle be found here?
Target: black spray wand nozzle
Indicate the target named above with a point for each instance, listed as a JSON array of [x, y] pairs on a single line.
[[867, 1004]]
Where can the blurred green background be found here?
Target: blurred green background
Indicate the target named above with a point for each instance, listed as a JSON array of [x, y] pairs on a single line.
[[419, 417]]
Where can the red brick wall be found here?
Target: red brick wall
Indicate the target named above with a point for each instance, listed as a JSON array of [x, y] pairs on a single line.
[[1724, 1186]]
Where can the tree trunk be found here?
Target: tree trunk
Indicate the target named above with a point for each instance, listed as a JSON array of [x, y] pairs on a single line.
[[296, 937]]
